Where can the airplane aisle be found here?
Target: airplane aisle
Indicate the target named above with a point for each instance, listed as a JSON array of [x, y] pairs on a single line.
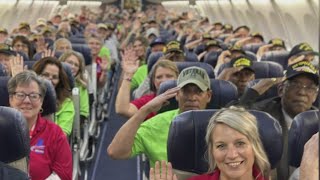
[[103, 167]]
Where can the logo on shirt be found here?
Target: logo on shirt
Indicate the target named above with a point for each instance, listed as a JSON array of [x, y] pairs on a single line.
[[39, 147]]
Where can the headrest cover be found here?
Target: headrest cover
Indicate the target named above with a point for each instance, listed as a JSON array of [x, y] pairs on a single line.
[[14, 135], [194, 75]]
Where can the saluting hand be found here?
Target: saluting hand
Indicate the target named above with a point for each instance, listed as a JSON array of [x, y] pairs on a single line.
[[165, 173]]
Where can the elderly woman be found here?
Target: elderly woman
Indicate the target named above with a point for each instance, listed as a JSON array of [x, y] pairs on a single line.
[[51, 69], [235, 150], [50, 152]]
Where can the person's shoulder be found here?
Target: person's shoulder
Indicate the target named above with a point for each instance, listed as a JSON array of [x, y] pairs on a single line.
[[267, 102], [210, 176]]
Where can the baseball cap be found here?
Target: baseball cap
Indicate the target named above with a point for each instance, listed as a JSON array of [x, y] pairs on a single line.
[[258, 35], [206, 36], [212, 43], [6, 49], [241, 61], [153, 31], [302, 49], [194, 75], [3, 30], [173, 46], [102, 26], [228, 27], [277, 42], [157, 41], [302, 67], [24, 25]]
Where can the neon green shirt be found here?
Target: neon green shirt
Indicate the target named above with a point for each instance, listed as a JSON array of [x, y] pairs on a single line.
[[105, 52], [151, 138], [84, 100], [139, 76], [64, 117]]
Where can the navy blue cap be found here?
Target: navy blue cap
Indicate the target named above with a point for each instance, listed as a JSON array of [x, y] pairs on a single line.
[[157, 41]]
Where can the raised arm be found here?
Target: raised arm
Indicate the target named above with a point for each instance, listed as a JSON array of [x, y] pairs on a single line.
[[121, 145], [129, 64]]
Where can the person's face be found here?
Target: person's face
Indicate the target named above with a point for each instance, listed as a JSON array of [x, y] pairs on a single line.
[[19, 46], [3, 37], [63, 47], [51, 73], [27, 100], [232, 152], [242, 33], [163, 74], [139, 48], [157, 48], [191, 97], [95, 46], [241, 79], [74, 63], [298, 94], [24, 31], [103, 33], [5, 61]]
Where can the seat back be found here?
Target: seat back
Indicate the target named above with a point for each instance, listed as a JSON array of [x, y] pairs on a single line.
[[252, 47], [85, 51], [280, 57], [77, 40], [67, 69], [191, 57], [49, 101], [2, 70], [223, 93], [265, 69], [212, 58], [153, 58], [14, 135], [186, 146], [38, 55], [304, 125]]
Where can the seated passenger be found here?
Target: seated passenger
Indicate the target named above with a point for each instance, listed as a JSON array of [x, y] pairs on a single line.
[[296, 94], [275, 44], [51, 69], [235, 150], [22, 44], [50, 152], [76, 62], [163, 70], [239, 32], [239, 72], [302, 51], [136, 137], [254, 38], [6, 55], [62, 45], [4, 35]]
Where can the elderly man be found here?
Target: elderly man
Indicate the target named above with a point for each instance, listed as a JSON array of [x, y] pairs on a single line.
[[136, 137], [6, 55]]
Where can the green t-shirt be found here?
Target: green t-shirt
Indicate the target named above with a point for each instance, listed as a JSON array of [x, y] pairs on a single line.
[[105, 52], [84, 100], [64, 117], [139, 76], [151, 138]]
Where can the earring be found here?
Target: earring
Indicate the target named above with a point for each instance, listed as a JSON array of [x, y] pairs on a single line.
[[41, 110]]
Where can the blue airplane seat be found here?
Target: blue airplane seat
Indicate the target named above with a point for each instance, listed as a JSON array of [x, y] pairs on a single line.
[[38, 55], [304, 125], [153, 58], [205, 66], [212, 58], [49, 101], [85, 51], [280, 57], [252, 47], [14, 135], [186, 146], [223, 93], [191, 57]]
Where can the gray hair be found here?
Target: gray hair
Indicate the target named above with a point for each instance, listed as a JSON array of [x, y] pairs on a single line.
[[244, 122], [61, 40], [26, 77]]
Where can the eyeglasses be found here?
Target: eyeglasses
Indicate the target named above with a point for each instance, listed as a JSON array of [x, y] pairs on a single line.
[[298, 86], [34, 97], [49, 76]]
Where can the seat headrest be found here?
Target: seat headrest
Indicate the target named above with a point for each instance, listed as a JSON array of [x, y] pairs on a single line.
[[85, 51], [191, 57], [186, 146], [49, 101], [67, 69], [252, 47], [265, 69], [38, 55], [212, 58], [25, 56], [280, 57], [304, 125], [14, 135], [2, 70], [29, 64], [153, 58], [77, 40], [223, 92]]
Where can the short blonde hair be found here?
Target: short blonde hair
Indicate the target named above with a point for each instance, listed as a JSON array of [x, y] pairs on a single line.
[[244, 122]]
